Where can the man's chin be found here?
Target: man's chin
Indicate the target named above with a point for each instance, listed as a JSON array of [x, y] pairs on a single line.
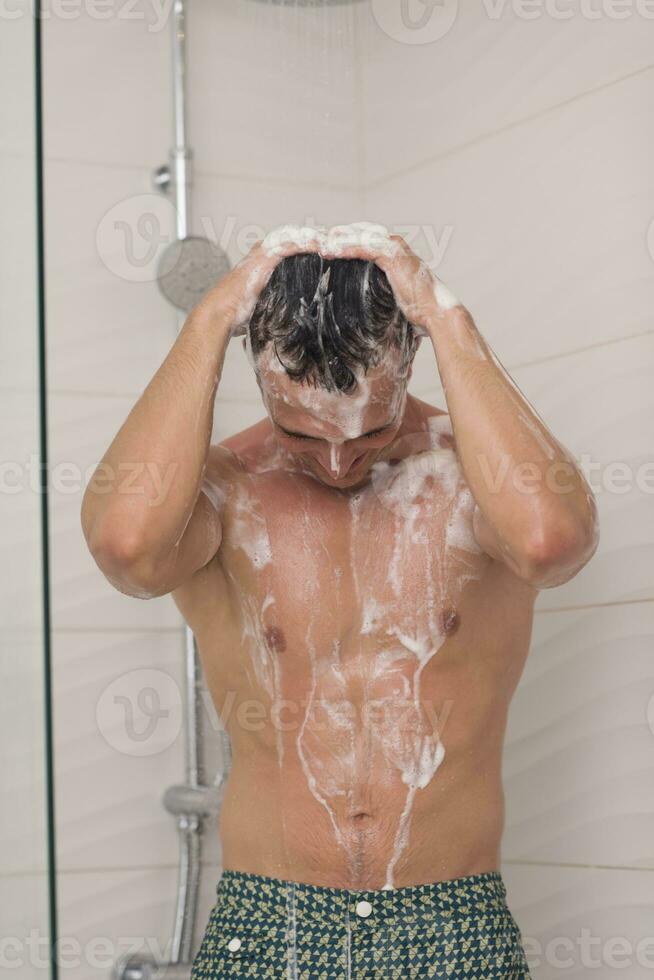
[[349, 482]]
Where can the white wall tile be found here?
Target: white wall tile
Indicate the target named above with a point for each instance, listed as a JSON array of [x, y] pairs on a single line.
[[107, 86], [572, 918], [23, 805], [109, 914], [485, 73], [17, 129], [21, 582], [25, 925], [579, 761], [108, 327], [272, 92], [19, 275], [542, 231], [119, 744]]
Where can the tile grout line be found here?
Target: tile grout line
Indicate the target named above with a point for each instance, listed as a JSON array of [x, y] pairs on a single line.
[[144, 169], [418, 392], [526, 862], [451, 151], [502, 130], [174, 630], [126, 869]]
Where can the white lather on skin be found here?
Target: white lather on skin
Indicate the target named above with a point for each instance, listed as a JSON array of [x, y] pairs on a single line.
[[418, 510], [411, 523], [338, 755], [337, 749]]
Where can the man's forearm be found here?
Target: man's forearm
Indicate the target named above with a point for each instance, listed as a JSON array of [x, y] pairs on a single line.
[[143, 493], [534, 506]]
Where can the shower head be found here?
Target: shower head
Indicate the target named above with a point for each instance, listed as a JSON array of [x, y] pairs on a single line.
[[188, 268]]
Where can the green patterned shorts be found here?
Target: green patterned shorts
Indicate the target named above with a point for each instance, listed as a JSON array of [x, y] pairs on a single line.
[[265, 928]]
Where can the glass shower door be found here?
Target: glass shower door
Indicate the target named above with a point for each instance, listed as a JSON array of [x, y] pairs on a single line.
[[25, 879]]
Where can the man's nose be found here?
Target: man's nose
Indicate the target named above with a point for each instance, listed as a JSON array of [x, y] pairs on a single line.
[[338, 459]]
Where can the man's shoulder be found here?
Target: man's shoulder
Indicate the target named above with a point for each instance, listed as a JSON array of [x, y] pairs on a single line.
[[240, 450], [426, 410]]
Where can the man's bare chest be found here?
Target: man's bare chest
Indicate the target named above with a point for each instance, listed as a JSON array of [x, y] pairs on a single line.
[[390, 561]]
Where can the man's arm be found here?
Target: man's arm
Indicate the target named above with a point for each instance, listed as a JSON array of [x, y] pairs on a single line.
[[145, 516], [534, 509], [145, 519]]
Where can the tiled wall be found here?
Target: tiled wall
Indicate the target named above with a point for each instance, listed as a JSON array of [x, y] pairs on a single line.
[[522, 147], [526, 145]]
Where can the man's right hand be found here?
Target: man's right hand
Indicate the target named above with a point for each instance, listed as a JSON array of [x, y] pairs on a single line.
[[236, 295]]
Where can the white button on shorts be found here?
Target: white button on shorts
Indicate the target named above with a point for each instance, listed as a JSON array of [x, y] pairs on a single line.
[[363, 909], [234, 944]]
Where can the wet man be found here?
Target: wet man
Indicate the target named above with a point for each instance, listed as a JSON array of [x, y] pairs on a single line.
[[360, 570]]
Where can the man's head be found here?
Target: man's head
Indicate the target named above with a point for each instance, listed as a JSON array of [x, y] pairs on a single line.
[[333, 354]]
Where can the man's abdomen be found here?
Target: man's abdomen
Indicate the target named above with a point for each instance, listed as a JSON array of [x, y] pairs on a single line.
[[380, 833]]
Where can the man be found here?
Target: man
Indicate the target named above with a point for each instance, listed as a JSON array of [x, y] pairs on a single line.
[[360, 570]]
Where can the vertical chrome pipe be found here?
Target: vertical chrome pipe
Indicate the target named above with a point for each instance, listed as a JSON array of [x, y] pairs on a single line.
[[190, 827], [190, 814], [181, 155]]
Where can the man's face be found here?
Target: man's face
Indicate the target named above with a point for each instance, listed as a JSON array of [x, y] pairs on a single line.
[[335, 436]]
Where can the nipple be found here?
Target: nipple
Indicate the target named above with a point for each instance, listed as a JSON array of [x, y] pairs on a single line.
[[450, 621]]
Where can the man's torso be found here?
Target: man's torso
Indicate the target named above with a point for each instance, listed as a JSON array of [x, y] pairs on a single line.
[[362, 651]]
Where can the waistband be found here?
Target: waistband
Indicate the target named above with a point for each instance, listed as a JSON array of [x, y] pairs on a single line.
[[468, 897]]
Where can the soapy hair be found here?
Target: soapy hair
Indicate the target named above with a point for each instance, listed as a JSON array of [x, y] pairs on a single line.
[[328, 319]]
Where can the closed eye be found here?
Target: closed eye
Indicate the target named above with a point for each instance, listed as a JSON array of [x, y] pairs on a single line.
[[298, 435]]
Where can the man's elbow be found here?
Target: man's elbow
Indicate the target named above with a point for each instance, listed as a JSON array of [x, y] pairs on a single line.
[[123, 555], [556, 555]]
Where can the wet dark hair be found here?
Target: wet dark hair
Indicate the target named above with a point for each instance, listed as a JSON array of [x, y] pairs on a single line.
[[328, 318]]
